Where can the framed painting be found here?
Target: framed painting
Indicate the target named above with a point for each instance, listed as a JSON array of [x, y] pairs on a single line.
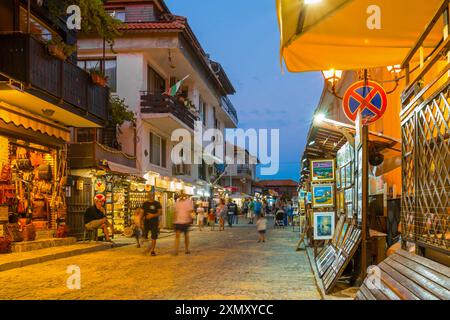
[[322, 170], [324, 224], [322, 195]]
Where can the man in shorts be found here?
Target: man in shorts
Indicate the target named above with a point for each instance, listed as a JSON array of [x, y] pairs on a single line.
[[152, 212], [95, 216]]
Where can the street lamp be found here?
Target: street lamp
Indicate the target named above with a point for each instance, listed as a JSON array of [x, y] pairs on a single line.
[[333, 76]]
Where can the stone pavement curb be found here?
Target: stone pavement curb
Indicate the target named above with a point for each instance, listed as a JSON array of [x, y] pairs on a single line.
[[54, 256]]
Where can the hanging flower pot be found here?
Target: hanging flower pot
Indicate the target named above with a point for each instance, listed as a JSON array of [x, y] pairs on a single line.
[[98, 78], [57, 51]]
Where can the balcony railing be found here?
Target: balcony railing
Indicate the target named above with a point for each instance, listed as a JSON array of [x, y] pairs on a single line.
[[89, 154], [227, 105], [26, 59], [151, 103]]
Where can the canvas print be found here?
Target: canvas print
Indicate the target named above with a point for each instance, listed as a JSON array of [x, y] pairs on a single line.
[[323, 195], [324, 225], [322, 170]]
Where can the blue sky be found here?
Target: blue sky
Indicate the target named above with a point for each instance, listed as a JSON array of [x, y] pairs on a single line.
[[243, 36]]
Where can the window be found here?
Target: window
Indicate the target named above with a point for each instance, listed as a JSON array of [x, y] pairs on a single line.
[[110, 70], [85, 135], [119, 14], [157, 150], [37, 27], [202, 111], [155, 83]]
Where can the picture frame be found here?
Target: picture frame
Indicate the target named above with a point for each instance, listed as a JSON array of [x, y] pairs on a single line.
[[323, 170], [324, 225], [322, 195]]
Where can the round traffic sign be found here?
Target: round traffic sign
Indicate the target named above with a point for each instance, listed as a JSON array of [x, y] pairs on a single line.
[[367, 97]]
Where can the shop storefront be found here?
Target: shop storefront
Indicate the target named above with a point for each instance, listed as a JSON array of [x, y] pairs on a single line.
[[124, 193], [33, 172]]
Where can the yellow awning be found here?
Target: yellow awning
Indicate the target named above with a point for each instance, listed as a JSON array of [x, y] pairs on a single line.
[[19, 117], [352, 34]]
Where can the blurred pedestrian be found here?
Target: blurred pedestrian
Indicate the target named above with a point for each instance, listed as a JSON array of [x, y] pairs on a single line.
[[184, 212], [221, 211], [200, 216], [212, 219], [261, 226], [232, 211], [250, 214], [138, 225], [152, 212]]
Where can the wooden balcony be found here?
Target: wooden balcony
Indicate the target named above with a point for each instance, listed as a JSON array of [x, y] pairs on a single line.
[[228, 107], [25, 59], [166, 105], [89, 154]]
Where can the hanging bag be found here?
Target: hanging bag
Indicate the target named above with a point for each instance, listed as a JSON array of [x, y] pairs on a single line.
[[14, 233], [45, 172]]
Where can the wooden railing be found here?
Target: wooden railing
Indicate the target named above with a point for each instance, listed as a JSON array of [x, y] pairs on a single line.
[[151, 103], [25, 58], [89, 154], [425, 120]]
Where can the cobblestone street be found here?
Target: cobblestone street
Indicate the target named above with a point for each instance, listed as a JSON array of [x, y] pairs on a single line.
[[222, 265]]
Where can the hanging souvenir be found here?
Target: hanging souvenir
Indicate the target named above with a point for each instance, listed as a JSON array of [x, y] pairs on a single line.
[[100, 186]]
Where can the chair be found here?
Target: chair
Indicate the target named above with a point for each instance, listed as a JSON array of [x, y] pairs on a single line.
[[92, 234]]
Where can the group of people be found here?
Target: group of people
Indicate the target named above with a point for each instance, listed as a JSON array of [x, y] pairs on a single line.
[[146, 219]]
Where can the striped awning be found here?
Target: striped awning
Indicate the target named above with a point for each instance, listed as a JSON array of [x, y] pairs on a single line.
[[21, 118]]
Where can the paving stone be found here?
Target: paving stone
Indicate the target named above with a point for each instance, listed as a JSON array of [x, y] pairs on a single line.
[[223, 265]]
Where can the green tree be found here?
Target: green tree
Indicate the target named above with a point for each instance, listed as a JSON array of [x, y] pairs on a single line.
[[95, 20]]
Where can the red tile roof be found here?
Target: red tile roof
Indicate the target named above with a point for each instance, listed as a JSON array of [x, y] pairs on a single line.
[[175, 23], [276, 183]]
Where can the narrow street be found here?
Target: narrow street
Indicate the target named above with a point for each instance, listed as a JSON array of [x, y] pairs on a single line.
[[222, 265]]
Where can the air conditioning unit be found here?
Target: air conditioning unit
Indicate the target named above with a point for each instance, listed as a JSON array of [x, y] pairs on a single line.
[[179, 169]]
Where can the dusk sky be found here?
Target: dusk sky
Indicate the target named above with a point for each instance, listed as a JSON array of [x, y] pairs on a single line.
[[243, 36]]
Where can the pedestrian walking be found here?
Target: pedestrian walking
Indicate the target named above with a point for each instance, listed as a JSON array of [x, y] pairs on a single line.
[[250, 214], [212, 219], [257, 208], [152, 211], [184, 211], [221, 211], [261, 226], [232, 211], [138, 225], [200, 216]]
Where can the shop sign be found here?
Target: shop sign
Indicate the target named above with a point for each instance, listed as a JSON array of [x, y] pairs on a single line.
[[366, 97]]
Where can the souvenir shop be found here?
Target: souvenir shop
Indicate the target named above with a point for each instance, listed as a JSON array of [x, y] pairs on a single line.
[[123, 193], [33, 178]]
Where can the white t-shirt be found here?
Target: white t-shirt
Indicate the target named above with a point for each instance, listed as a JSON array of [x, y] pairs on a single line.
[[183, 210], [261, 224]]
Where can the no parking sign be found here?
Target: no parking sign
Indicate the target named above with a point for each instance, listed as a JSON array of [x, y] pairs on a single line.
[[367, 97]]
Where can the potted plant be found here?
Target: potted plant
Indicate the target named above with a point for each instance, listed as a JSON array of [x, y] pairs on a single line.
[[98, 77], [59, 49]]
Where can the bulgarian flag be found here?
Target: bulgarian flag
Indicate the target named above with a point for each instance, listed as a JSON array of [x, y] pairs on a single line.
[[173, 90]]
